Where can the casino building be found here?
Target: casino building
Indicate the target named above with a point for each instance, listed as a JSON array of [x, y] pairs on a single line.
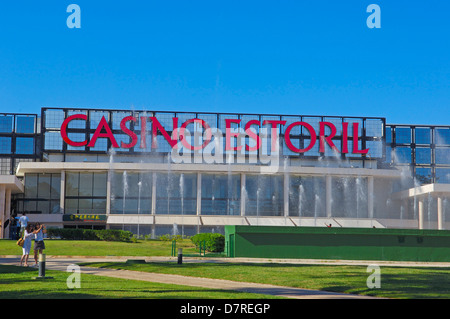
[[159, 172]]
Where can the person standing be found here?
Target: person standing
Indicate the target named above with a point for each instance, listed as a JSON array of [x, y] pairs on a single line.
[[23, 220], [39, 245], [28, 234]]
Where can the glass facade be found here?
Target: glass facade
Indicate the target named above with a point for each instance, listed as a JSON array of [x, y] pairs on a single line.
[[176, 193], [42, 194], [307, 196], [424, 150], [370, 132], [349, 197], [220, 194], [131, 193], [264, 195], [19, 136], [85, 193]]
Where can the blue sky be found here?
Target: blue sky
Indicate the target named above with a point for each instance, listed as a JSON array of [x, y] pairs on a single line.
[[284, 57]]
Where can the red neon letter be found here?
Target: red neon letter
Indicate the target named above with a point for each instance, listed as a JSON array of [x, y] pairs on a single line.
[[312, 133], [228, 135], [127, 131], [253, 135], [108, 134], [344, 137], [189, 146], [327, 139], [64, 129], [355, 141], [157, 126]]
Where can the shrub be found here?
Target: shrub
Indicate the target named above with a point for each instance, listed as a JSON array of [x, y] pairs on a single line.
[[168, 237], [89, 234], [214, 242]]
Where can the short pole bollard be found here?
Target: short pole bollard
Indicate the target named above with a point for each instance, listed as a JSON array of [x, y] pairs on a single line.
[[41, 265], [42, 268], [180, 256]]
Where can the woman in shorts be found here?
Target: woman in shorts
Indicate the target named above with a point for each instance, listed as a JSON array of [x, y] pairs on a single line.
[[39, 245], [28, 235]]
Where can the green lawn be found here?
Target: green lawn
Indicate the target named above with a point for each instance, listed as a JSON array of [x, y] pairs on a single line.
[[17, 283], [55, 247], [396, 282]]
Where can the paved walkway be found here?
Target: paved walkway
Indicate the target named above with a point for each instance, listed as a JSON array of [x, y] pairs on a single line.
[[61, 263]]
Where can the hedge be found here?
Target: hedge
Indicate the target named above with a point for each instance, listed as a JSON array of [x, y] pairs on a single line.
[[89, 234], [214, 242]]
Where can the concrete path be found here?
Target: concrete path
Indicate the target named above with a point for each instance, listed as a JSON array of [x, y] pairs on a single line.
[[287, 292]]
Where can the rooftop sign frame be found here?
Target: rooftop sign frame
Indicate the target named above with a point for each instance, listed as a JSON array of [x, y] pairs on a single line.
[[132, 132]]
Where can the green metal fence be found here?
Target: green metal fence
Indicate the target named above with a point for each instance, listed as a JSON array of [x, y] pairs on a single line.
[[338, 243]]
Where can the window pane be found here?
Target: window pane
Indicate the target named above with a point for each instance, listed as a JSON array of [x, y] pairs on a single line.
[[31, 185], [403, 135], [442, 136], [117, 118], [402, 155], [168, 198], [6, 123], [54, 207], [423, 136], [220, 194], [101, 144], [24, 145], [100, 184], [29, 206], [25, 124], [145, 206], [423, 155], [99, 206], [86, 184], [374, 128], [71, 206], [54, 118], [117, 184], [72, 184], [44, 186], [388, 135], [132, 181], [442, 155], [264, 195], [85, 205], [43, 207], [55, 186], [443, 175], [423, 175], [53, 141], [5, 145], [349, 197], [146, 180], [96, 116], [76, 123], [131, 205], [76, 137], [117, 206], [305, 197]]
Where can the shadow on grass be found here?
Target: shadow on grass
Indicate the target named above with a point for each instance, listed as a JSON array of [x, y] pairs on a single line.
[[16, 283], [396, 282]]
